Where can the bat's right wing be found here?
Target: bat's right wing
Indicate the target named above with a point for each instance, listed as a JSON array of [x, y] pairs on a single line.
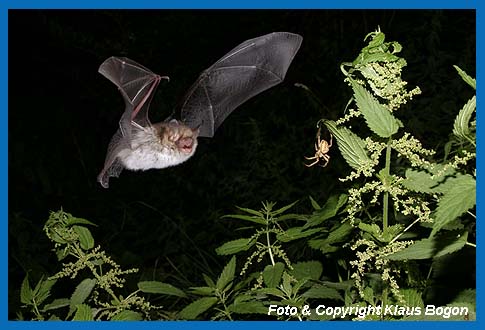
[[137, 85], [247, 70]]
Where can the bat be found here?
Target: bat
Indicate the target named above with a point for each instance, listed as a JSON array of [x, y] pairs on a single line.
[[249, 69]]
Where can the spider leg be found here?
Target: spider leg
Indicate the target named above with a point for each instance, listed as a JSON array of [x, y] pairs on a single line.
[[309, 165]]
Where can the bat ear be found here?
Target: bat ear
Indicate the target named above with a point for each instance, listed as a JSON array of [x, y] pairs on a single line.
[[196, 131], [174, 121]]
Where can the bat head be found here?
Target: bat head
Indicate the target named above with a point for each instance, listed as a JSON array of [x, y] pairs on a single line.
[[178, 136]]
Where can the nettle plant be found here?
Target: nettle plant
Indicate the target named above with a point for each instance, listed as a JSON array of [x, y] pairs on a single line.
[[391, 199], [404, 206]]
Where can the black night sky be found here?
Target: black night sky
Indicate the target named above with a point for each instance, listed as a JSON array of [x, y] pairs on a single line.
[[62, 114]]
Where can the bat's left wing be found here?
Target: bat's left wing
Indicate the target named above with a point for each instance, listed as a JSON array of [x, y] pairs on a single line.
[[137, 85], [250, 68]]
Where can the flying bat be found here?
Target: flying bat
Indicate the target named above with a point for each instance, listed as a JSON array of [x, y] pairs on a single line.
[[247, 70]]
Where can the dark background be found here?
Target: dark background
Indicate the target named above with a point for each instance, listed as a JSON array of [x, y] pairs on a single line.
[[62, 114]]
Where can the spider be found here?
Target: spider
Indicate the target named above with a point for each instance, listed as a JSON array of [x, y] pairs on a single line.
[[322, 147]]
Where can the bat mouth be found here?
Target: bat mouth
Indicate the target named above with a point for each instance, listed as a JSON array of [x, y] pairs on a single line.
[[186, 144]]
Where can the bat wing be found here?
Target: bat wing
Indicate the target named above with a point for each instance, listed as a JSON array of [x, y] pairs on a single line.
[[137, 85], [247, 70]]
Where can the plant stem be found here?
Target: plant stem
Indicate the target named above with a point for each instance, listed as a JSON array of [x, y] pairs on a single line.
[[387, 173], [269, 247]]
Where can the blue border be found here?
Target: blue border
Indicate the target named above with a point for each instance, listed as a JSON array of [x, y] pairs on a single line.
[[242, 4]]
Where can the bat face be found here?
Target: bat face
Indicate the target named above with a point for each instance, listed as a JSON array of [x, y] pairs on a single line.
[[247, 70]]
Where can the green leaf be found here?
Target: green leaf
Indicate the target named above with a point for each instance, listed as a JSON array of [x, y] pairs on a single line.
[[422, 181], [197, 307], [250, 218], [271, 291], [283, 209], [82, 291], [314, 203], [227, 275], [378, 118], [83, 313], [26, 292], [272, 274], [57, 303], [249, 307], [85, 238], [350, 145], [42, 290], [457, 200], [307, 269], [431, 247], [466, 78], [319, 291], [337, 235], [412, 297], [127, 315], [329, 210], [209, 281], [259, 214], [238, 245], [461, 127], [295, 233], [202, 290], [160, 288], [78, 221]]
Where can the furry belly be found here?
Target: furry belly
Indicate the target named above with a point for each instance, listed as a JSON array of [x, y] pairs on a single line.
[[143, 158]]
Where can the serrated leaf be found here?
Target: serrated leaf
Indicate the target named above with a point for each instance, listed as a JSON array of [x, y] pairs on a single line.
[[322, 292], [295, 233], [160, 288], [283, 209], [197, 307], [83, 313], [314, 203], [457, 200], [272, 274], [251, 211], [227, 274], [336, 235], [78, 221], [421, 181], [431, 247], [251, 218], [202, 290], [466, 78], [307, 269], [209, 281], [249, 307], [26, 291], [42, 290], [82, 291], [329, 210], [350, 145], [127, 315], [85, 238], [57, 303], [461, 127], [271, 291], [238, 245], [412, 298], [378, 118]]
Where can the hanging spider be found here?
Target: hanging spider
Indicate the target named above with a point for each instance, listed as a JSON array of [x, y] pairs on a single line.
[[322, 147]]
